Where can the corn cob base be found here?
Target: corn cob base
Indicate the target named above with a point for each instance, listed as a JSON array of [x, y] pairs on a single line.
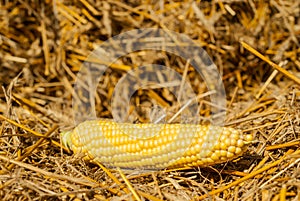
[[154, 146]]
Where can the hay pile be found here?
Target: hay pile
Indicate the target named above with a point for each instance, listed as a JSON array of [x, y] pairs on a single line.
[[255, 45]]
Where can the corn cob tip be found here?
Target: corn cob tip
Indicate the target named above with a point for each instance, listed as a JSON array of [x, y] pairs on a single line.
[[248, 139], [66, 139]]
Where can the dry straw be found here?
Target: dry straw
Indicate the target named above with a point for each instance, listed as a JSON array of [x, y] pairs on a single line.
[[44, 44]]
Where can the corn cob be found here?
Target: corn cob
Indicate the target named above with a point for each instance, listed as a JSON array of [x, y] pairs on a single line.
[[155, 146]]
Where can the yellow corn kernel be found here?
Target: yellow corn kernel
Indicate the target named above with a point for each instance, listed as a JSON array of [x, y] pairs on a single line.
[[153, 146]]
